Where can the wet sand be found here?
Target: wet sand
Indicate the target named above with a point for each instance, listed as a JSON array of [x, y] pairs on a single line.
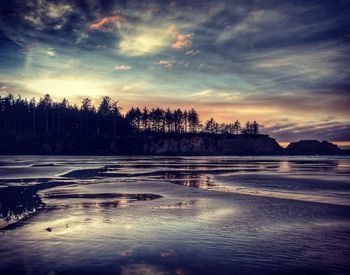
[[181, 215]]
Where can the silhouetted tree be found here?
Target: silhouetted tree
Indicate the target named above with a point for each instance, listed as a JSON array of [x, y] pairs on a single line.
[[237, 128], [178, 120], [251, 128], [169, 120], [193, 120], [32, 110], [44, 106], [116, 116], [145, 119], [19, 116], [211, 126], [255, 128]]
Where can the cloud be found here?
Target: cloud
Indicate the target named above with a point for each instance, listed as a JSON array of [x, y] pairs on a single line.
[[81, 38], [167, 63], [65, 86], [139, 40], [311, 62], [43, 14], [122, 68], [255, 21], [105, 22], [51, 53], [14, 88], [181, 40], [148, 38], [58, 10], [332, 131], [208, 95], [192, 52], [11, 53], [266, 61]]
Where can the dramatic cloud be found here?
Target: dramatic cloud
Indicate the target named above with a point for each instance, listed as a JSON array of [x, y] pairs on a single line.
[[43, 13], [285, 64], [143, 40]]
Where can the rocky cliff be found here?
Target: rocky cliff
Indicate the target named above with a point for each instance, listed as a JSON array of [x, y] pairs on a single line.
[[211, 145]]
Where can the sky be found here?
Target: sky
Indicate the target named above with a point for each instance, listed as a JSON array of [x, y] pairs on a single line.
[[282, 63]]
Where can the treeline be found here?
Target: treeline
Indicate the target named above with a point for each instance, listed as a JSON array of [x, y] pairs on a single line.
[[20, 116]]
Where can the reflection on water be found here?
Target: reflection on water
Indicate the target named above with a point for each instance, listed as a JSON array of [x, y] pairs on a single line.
[[190, 180], [17, 203], [22, 201], [188, 215], [284, 166]]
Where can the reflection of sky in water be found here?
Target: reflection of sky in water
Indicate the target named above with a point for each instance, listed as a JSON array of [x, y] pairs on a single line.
[[259, 214]]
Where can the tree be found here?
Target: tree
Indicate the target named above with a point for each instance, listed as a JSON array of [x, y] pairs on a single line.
[[185, 118], [211, 126], [255, 128], [145, 119], [224, 128], [178, 120], [131, 117], [237, 128], [138, 117], [251, 128], [193, 120], [105, 106], [86, 105], [45, 105], [169, 120], [32, 107], [20, 116], [116, 114]]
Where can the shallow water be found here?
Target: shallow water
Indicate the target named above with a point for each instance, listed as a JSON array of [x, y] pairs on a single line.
[[174, 215]]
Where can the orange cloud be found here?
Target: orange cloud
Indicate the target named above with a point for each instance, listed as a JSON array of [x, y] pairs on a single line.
[[101, 23], [182, 40], [172, 28]]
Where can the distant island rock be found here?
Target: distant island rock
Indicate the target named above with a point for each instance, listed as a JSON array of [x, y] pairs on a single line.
[[312, 147]]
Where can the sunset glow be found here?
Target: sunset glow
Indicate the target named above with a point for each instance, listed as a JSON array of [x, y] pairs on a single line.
[[285, 66]]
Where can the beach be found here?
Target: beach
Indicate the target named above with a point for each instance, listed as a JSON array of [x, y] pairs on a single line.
[[174, 215]]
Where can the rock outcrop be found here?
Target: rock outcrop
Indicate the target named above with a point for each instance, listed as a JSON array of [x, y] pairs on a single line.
[[312, 147], [211, 145]]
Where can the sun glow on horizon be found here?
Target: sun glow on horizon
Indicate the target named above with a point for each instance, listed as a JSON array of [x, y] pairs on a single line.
[[68, 87]]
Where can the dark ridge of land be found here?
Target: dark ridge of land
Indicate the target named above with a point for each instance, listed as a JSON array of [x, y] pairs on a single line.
[[186, 144]]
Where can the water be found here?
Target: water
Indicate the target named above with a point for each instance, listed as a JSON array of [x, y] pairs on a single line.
[[174, 215]]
